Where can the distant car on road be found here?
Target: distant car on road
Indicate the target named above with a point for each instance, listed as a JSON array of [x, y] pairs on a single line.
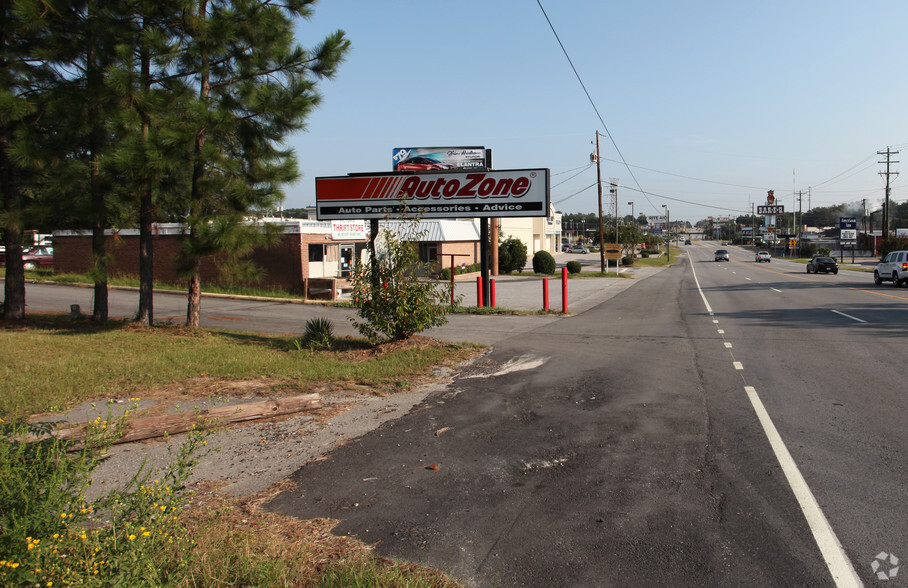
[[722, 255], [687, 241], [892, 267], [822, 264], [763, 256], [578, 249]]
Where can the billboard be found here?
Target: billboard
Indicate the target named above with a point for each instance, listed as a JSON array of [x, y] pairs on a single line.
[[490, 194], [438, 158]]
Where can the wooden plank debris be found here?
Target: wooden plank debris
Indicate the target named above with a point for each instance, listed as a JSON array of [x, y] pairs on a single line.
[[171, 424]]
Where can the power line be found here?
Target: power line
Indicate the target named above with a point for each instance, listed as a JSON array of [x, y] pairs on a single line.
[[593, 104]]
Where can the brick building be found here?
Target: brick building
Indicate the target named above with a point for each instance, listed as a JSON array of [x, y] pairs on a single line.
[[307, 250]]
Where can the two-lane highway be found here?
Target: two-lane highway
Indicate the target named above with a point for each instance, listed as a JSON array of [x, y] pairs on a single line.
[[824, 354]]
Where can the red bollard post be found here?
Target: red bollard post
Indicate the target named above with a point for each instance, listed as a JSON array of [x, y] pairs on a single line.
[[491, 292], [564, 300], [545, 294], [479, 291]]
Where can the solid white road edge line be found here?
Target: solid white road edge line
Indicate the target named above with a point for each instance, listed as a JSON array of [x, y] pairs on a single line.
[[838, 563], [854, 318], [699, 289]]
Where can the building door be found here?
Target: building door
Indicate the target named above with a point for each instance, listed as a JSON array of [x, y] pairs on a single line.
[[346, 260]]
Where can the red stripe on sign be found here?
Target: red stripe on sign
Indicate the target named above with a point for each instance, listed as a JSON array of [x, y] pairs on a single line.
[[391, 187], [340, 188], [370, 189], [358, 188]]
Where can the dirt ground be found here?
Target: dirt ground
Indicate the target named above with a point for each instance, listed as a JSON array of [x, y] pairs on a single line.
[[246, 459]]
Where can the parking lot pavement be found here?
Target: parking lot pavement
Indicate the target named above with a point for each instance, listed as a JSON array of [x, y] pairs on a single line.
[[527, 292]]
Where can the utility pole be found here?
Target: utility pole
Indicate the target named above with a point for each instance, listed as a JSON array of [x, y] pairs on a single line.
[[801, 216], [601, 230], [753, 221], [864, 219], [888, 153], [613, 190]]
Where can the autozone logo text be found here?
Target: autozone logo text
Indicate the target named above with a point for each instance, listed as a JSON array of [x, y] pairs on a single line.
[[471, 186]]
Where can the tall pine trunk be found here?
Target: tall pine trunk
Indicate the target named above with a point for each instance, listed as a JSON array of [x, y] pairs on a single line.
[[145, 315], [194, 304], [98, 198], [14, 284]]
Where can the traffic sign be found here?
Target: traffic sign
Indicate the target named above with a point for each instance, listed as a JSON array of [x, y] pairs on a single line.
[[792, 243]]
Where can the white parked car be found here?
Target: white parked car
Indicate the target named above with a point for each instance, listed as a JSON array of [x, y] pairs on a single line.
[[892, 267]]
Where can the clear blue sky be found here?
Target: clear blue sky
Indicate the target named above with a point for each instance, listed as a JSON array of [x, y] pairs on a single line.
[[739, 98]]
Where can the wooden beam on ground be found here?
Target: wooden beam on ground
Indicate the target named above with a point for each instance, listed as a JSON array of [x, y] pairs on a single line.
[[173, 424]]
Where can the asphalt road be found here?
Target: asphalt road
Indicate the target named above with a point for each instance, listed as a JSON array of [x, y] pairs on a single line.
[[624, 446]]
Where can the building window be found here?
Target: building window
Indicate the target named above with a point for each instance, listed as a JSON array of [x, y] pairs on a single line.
[[316, 252]]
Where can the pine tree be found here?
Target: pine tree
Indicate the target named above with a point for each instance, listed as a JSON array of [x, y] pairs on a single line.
[[23, 31], [255, 87]]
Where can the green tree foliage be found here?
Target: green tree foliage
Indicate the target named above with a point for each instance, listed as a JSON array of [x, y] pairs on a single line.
[[892, 244], [255, 86], [179, 108], [512, 255], [543, 263], [22, 27], [394, 302]]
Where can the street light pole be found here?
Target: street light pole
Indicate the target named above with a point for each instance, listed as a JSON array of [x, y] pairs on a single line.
[[633, 218]]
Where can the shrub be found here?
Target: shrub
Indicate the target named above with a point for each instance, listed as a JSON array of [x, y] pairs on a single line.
[[319, 334], [512, 255], [52, 535], [445, 272], [892, 244], [810, 249], [627, 260], [644, 254], [574, 267], [543, 263], [393, 301]]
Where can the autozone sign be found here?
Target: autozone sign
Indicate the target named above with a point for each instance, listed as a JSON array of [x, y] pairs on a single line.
[[504, 193]]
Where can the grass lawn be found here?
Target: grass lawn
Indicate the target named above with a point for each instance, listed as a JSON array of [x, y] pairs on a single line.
[[52, 362]]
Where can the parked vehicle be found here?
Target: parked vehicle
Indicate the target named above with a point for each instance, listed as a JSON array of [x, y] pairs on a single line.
[[33, 258], [822, 264], [892, 267], [763, 256], [722, 255], [578, 249], [36, 257]]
